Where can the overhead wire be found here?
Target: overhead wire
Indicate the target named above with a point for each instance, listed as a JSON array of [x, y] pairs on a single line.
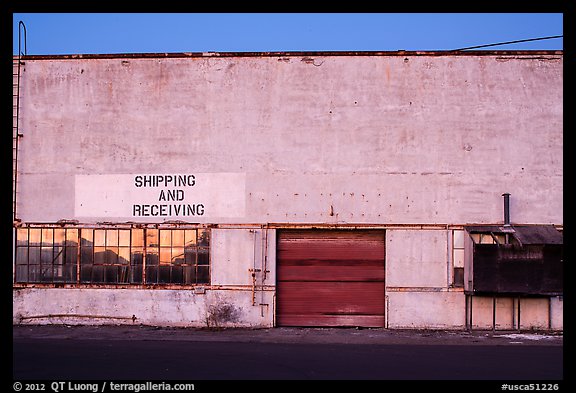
[[509, 42]]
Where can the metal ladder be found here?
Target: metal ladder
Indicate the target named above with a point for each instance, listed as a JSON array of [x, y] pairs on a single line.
[[16, 135]]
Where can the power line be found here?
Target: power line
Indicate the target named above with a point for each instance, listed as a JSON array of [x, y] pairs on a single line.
[[510, 42]]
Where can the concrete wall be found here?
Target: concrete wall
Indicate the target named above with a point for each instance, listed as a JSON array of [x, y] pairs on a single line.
[[426, 310], [535, 313], [417, 258], [557, 313], [418, 278], [234, 297], [371, 139], [158, 307]]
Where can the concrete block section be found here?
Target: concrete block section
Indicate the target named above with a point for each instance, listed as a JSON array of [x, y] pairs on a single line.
[[426, 310], [416, 258], [237, 252], [557, 313], [534, 313], [157, 307], [483, 313], [233, 254]]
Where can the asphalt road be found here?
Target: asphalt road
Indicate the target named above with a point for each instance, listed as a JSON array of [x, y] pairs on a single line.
[[112, 358]]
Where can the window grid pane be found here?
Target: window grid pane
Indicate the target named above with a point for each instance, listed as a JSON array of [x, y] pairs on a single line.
[[114, 256]]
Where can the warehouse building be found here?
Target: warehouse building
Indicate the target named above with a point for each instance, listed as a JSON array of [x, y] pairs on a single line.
[[376, 189]]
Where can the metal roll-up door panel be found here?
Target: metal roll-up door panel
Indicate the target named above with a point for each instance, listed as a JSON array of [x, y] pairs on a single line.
[[330, 278]]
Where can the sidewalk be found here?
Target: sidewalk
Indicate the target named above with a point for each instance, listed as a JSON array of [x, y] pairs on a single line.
[[288, 335]]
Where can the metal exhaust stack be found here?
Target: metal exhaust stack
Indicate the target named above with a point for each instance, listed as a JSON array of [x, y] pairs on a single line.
[[506, 209]]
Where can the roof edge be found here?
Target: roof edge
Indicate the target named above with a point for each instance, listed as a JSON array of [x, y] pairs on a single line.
[[298, 54]]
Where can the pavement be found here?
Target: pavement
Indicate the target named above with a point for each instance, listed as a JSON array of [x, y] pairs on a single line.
[[287, 335]]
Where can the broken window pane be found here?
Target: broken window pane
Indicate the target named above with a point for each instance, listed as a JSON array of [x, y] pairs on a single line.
[[203, 237]]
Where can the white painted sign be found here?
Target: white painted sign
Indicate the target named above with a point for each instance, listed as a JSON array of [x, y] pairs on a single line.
[[163, 197]]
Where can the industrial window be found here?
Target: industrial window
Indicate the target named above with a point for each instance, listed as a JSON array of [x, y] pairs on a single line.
[[47, 255], [458, 257], [112, 256]]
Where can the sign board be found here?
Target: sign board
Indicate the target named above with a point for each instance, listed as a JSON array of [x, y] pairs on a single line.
[[184, 196]]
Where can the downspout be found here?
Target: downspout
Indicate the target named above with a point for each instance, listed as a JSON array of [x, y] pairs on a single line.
[[18, 134]]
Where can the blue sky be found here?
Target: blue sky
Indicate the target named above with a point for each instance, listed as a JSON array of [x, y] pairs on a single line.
[[94, 33]]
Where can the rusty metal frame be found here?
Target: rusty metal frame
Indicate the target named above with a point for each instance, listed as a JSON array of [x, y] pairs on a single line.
[[218, 287]]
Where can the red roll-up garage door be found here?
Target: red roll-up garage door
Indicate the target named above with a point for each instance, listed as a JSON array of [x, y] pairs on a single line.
[[330, 278]]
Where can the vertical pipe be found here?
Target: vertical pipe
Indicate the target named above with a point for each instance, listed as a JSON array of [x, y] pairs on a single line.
[[253, 274], [263, 241], [449, 255], [144, 257], [387, 310], [493, 313], [78, 255], [15, 243]]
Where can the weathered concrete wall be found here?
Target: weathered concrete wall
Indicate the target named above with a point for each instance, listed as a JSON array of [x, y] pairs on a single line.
[[372, 139], [235, 253], [557, 313], [535, 313], [417, 258], [426, 310], [418, 274], [148, 306], [401, 139]]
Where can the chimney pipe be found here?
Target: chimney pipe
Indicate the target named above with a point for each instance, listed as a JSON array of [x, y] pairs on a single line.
[[506, 209]]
